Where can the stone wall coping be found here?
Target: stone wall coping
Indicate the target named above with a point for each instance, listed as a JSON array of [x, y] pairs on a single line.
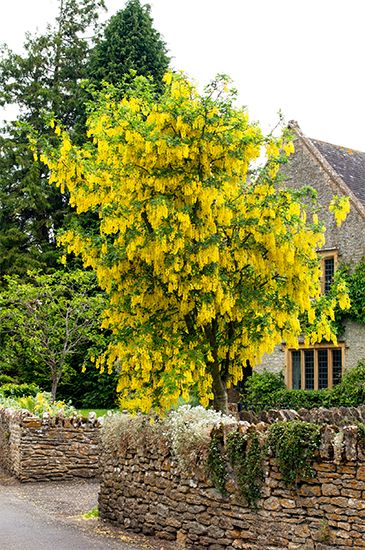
[[337, 416], [27, 419]]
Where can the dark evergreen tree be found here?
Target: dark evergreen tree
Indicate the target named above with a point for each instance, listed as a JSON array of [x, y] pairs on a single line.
[[46, 78], [130, 43]]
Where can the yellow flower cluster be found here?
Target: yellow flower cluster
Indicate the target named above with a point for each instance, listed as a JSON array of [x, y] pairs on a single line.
[[340, 207]]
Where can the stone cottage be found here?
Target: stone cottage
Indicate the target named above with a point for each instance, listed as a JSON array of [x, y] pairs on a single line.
[[331, 170]]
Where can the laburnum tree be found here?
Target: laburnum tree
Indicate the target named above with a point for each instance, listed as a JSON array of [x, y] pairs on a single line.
[[207, 262]]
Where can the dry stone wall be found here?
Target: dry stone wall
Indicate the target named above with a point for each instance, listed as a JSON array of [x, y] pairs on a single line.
[[49, 448], [143, 489]]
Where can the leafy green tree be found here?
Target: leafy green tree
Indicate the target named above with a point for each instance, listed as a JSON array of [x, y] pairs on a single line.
[[206, 266], [88, 388], [130, 43], [45, 322], [30, 211], [46, 77]]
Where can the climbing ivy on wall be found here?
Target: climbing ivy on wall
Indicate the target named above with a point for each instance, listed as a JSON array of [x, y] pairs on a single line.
[[294, 444], [246, 458], [241, 456], [217, 462], [354, 275]]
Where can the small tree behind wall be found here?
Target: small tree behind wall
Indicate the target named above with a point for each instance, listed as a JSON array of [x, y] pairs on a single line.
[[45, 321], [207, 263]]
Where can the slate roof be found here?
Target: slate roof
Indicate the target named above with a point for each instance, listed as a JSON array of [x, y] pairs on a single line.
[[348, 163]]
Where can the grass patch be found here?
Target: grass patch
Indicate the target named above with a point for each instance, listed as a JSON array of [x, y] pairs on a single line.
[[91, 514]]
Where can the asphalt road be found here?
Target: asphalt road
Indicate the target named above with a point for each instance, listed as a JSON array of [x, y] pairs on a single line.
[[23, 526], [48, 516]]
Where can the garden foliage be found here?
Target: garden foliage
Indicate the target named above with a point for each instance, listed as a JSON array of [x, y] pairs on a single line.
[[38, 404], [268, 391]]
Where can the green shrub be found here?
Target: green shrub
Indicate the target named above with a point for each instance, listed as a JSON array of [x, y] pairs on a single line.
[[19, 390], [5, 379], [351, 391], [261, 389], [267, 391], [297, 399]]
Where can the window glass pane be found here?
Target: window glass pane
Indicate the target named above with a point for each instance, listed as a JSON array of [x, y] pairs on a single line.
[[296, 370], [329, 270], [336, 366], [309, 369], [322, 368]]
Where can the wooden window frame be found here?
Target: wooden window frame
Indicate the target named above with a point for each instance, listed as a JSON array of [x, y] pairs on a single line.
[[325, 254], [302, 348]]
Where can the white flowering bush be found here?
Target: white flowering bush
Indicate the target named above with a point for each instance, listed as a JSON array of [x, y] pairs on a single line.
[[122, 430], [188, 430]]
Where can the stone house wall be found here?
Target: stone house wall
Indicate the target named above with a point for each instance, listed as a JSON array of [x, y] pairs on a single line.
[[273, 362], [354, 338], [52, 448], [142, 489], [304, 169]]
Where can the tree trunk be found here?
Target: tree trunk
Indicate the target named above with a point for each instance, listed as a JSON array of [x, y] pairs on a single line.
[[55, 379], [54, 388], [220, 401]]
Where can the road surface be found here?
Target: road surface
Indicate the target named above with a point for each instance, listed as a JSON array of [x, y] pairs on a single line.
[[48, 516]]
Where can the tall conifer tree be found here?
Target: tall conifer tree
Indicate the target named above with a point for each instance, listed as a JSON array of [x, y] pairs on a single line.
[[45, 78], [130, 43]]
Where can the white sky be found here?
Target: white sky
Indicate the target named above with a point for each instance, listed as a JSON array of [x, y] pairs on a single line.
[[305, 57]]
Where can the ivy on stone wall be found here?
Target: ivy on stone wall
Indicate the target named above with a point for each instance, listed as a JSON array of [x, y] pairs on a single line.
[[217, 462], [246, 458], [294, 444], [241, 459], [354, 275]]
